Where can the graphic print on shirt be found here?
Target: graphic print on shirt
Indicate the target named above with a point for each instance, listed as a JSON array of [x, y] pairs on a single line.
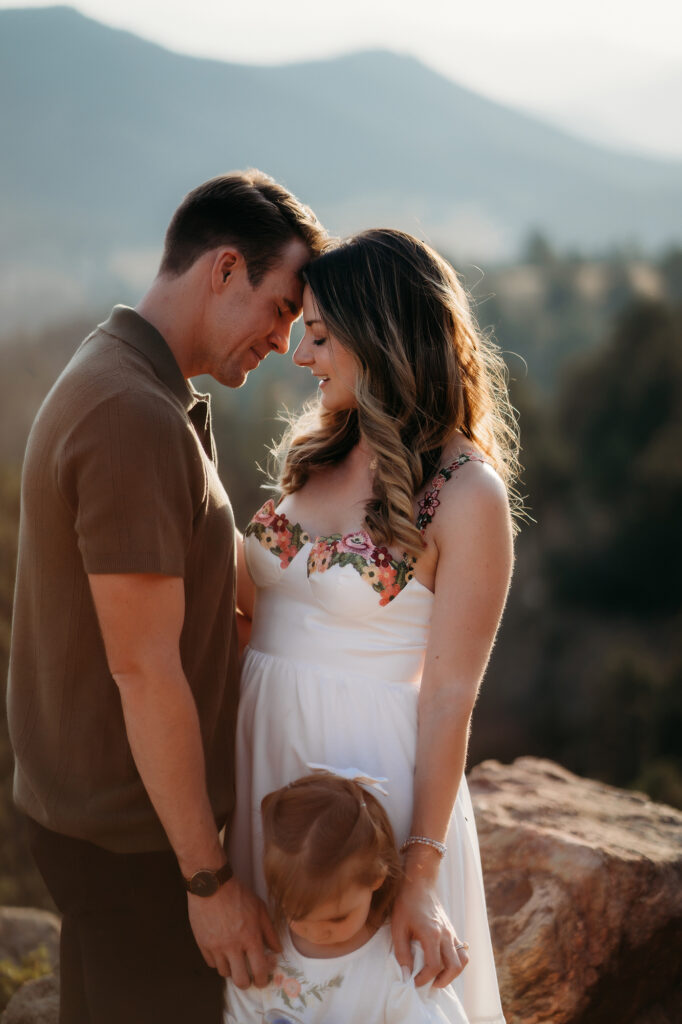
[[296, 992]]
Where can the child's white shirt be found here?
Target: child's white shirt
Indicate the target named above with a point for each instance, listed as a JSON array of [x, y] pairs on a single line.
[[365, 986]]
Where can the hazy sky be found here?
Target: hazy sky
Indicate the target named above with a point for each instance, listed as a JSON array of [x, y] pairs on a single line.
[[609, 68]]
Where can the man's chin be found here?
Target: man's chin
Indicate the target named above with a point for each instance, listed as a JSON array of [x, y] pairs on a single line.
[[233, 377]]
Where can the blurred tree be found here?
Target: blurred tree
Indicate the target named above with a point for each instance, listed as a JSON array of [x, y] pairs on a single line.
[[538, 251], [621, 412], [623, 719], [671, 269]]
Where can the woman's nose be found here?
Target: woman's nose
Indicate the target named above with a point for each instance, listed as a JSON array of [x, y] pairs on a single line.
[[303, 354]]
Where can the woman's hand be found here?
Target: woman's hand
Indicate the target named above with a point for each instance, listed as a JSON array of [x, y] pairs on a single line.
[[418, 915]]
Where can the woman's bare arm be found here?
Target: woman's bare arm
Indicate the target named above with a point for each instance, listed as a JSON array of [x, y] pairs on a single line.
[[473, 535]]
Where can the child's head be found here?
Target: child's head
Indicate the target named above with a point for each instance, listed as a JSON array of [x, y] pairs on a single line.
[[330, 857]]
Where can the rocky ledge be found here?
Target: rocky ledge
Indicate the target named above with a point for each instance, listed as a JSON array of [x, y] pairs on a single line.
[[584, 888]]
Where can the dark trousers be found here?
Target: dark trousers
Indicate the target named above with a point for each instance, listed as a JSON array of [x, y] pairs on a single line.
[[128, 955]]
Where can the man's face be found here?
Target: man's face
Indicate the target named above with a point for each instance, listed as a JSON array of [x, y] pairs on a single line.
[[245, 323]]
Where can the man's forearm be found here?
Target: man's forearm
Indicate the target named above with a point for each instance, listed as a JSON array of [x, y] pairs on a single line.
[[165, 739]]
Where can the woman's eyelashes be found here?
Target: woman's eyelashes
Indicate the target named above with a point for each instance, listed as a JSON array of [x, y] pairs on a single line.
[[319, 341]]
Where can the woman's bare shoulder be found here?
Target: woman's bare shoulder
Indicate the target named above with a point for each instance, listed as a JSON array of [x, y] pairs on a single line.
[[473, 497]]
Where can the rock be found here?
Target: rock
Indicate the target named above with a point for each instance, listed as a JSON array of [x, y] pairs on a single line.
[[36, 1002], [584, 889], [22, 931]]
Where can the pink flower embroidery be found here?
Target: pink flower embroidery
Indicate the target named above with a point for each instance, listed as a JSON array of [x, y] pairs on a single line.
[[292, 987], [278, 979], [265, 514], [429, 503], [359, 543]]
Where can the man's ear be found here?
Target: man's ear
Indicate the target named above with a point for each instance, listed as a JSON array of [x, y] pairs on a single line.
[[224, 263]]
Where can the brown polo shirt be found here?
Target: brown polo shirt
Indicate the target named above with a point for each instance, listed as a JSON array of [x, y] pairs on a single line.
[[119, 477]]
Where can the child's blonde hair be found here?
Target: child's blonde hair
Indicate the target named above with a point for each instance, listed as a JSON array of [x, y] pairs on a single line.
[[321, 834]]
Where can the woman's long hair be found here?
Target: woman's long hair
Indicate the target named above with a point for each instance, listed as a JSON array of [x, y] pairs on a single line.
[[425, 372]]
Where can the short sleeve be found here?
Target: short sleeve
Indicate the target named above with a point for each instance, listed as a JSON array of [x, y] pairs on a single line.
[[132, 470]]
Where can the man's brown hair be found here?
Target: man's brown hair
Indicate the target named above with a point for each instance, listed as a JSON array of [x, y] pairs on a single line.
[[246, 209]]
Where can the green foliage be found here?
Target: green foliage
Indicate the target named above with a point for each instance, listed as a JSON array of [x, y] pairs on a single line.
[[621, 411], [13, 975]]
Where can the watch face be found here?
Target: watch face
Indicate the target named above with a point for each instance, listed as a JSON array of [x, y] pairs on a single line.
[[203, 883]]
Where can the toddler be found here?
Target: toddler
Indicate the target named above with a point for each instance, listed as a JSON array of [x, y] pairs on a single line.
[[332, 871]]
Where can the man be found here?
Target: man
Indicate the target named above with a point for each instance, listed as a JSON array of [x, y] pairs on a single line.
[[123, 671]]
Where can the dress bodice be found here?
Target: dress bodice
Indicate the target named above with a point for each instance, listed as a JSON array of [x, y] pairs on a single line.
[[340, 596], [318, 617]]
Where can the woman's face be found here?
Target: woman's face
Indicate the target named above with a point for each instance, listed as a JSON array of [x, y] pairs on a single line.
[[328, 360]]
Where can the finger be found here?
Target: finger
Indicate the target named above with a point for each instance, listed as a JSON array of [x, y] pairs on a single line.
[[401, 946], [454, 962], [222, 966], [427, 974], [208, 956], [272, 960], [452, 965], [258, 964], [272, 939], [238, 969], [433, 963]]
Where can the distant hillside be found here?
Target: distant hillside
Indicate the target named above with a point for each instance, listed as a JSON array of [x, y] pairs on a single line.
[[103, 133]]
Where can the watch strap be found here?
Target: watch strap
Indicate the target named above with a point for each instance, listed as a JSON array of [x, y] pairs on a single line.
[[206, 881]]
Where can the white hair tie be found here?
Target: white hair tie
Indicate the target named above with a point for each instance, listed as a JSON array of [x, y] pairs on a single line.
[[352, 774]]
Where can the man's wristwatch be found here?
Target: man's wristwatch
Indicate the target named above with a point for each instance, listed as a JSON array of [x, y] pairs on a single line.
[[206, 882]]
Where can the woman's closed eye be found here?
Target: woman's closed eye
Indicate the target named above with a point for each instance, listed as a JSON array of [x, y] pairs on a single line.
[[319, 341]]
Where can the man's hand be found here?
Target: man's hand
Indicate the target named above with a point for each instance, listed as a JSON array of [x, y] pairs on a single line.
[[418, 915], [231, 928]]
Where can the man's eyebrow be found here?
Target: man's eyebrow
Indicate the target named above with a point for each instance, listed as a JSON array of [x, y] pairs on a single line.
[[294, 308]]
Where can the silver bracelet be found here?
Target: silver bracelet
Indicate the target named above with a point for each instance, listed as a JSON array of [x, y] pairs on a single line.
[[424, 841]]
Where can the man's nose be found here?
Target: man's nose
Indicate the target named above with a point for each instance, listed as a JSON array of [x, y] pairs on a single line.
[[279, 339]]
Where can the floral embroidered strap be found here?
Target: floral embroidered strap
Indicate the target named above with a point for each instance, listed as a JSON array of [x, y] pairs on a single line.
[[275, 532], [430, 502]]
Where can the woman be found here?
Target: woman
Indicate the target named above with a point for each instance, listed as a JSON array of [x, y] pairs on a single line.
[[380, 580]]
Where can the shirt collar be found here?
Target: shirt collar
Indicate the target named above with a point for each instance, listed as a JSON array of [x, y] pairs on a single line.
[[127, 324]]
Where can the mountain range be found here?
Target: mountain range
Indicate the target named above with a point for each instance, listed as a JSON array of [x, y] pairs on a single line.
[[103, 133]]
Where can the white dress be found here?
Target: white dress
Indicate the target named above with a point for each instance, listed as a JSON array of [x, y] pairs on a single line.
[[331, 676], [362, 987]]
